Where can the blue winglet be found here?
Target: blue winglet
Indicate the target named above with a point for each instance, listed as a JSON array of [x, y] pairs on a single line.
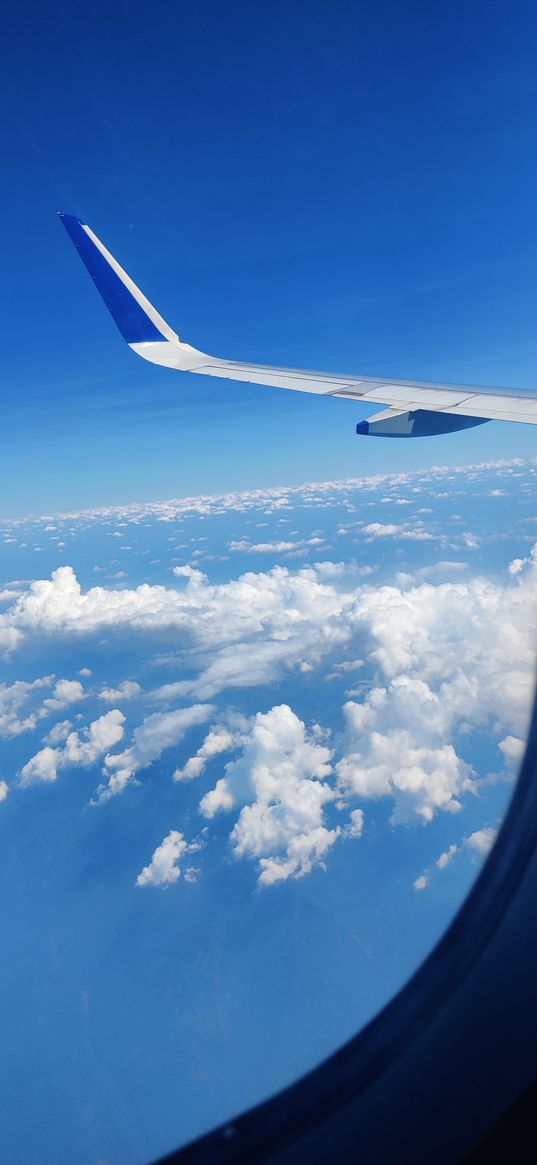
[[133, 322]]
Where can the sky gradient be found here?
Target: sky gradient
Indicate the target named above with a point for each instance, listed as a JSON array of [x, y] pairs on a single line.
[[256, 740], [329, 185]]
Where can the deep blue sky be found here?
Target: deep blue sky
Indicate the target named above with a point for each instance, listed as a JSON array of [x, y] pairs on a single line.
[[328, 184]]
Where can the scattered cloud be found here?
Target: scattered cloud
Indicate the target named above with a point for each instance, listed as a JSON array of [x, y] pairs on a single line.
[[217, 741], [164, 868], [279, 783], [15, 716], [58, 733], [355, 827], [405, 531], [81, 749], [277, 547], [512, 750], [385, 761], [21, 708], [316, 495], [479, 843], [65, 692], [157, 733], [482, 840], [445, 655], [447, 857], [126, 690]]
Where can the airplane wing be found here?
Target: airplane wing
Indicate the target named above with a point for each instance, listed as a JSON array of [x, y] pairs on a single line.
[[416, 408]]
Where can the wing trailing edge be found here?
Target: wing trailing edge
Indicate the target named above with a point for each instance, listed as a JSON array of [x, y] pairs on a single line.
[[415, 408]]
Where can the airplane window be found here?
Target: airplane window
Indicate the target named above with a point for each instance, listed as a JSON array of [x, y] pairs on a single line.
[[266, 682]]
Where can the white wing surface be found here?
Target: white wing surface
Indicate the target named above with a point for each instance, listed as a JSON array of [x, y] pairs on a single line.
[[415, 407]]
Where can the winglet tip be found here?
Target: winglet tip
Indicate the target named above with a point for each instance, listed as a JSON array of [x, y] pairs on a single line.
[[65, 217]]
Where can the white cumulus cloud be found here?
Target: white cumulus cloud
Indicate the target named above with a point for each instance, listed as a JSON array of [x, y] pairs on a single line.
[[82, 748], [218, 740], [482, 840], [126, 690], [279, 783], [164, 868], [65, 692]]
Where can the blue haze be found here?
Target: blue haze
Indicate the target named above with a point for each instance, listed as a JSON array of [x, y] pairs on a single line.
[[135, 1017]]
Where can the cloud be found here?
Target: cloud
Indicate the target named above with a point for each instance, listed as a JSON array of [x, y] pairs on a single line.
[[383, 760], [482, 840], [348, 665], [445, 657], [217, 741], [15, 716], [58, 733], [20, 709], [279, 784], [158, 732], [65, 692], [479, 843], [245, 632], [404, 530], [126, 690], [355, 828], [277, 547], [470, 643], [421, 780], [447, 857], [262, 547], [340, 669], [81, 748], [217, 800], [512, 749], [453, 657], [316, 495], [304, 852], [517, 565], [164, 868], [189, 572], [4, 789], [446, 566]]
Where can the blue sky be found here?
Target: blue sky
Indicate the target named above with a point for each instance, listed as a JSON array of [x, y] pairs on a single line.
[[325, 185], [256, 740]]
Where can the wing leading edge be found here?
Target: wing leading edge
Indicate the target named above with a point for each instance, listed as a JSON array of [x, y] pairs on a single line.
[[415, 408]]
